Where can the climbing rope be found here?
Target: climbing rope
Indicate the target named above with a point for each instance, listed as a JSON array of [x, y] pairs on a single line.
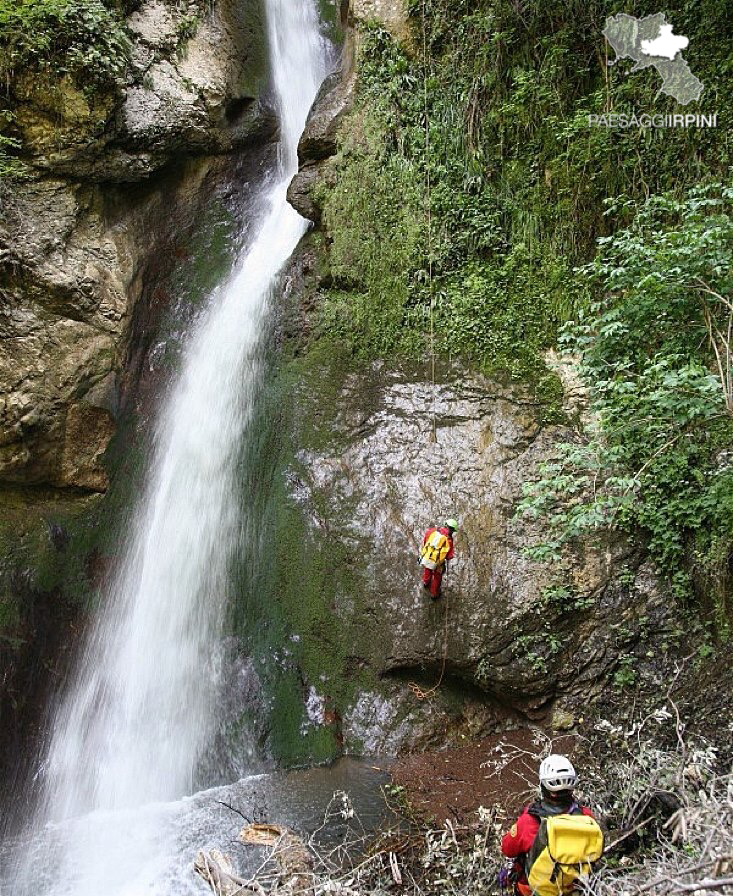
[[419, 692], [429, 218]]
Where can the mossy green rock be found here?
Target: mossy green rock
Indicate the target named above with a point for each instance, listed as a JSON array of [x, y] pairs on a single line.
[[194, 85], [334, 612]]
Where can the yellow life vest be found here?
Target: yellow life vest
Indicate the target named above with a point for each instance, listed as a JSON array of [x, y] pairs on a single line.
[[436, 548], [563, 851]]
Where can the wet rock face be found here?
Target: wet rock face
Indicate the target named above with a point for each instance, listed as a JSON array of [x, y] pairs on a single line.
[[196, 84], [38, 637], [199, 94], [391, 13], [319, 141], [75, 261], [81, 240], [64, 310], [377, 480]]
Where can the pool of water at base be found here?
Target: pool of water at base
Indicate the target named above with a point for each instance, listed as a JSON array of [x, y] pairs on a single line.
[[177, 831]]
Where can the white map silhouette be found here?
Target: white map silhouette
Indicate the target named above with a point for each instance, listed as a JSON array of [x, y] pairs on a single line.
[[651, 43], [666, 44]]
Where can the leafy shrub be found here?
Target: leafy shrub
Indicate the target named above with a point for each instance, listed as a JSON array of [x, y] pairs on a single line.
[[10, 165], [80, 38], [656, 348]]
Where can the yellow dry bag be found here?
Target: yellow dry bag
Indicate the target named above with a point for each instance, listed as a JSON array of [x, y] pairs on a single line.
[[435, 549], [563, 851]]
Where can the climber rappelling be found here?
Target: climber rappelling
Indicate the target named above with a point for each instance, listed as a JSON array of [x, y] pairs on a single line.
[[436, 552]]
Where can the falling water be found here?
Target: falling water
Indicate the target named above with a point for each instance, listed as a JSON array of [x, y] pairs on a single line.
[[138, 716]]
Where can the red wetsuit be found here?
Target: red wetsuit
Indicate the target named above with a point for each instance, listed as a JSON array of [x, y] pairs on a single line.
[[432, 578], [518, 841]]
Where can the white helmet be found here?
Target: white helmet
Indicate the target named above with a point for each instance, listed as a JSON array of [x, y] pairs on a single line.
[[557, 773]]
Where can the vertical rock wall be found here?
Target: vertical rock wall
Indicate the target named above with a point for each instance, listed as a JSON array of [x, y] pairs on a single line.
[[115, 180]]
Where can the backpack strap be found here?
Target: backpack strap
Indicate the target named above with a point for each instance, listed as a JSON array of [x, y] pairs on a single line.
[[540, 840]]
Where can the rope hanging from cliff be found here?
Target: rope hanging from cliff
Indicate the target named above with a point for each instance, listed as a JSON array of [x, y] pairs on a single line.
[[419, 692], [429, 219]]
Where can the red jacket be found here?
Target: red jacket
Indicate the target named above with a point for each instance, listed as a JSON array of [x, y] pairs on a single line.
[[445, 531], [519, 839]]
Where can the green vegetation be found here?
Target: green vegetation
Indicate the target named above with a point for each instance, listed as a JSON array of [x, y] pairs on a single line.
[[10, 165], [384, 263], [625, 675], [656, 349], [330, 13], [84, 39], [46, 544], [468, 178], [469, 182]]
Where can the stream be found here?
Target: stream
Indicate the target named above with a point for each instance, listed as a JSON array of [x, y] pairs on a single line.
[[176, 830]]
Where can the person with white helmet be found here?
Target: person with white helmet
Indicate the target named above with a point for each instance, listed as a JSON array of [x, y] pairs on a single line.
[[557, 779], [437, 549]]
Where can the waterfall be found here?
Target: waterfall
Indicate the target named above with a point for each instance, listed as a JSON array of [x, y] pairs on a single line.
[[138, 714]]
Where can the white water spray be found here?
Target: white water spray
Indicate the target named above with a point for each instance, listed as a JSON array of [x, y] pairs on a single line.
[[139, 715]]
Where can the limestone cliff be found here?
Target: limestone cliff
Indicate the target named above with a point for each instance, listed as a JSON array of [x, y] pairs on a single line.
[[80, 239], [513, 640]]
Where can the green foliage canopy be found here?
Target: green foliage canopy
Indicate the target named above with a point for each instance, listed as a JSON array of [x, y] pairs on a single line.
[[81, 38], [656, 354], [486, 135]]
